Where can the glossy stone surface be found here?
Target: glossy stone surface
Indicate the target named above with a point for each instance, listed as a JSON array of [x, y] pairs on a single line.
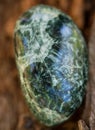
[[51, 56]]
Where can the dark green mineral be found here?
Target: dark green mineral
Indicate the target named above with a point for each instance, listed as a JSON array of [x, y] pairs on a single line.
[[51, 56]]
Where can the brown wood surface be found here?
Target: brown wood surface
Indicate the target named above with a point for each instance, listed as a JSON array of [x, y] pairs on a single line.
[[14, 113]]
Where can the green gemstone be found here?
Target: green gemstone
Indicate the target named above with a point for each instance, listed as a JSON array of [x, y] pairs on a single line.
[[52, 60]]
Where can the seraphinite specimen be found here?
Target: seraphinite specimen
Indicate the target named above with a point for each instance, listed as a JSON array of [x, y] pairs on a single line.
[[52, 60]]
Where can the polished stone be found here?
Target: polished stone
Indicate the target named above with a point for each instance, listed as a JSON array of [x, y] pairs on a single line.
[[52, 60]]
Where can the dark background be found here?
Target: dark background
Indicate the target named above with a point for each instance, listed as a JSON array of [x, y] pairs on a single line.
[[14, 113]]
